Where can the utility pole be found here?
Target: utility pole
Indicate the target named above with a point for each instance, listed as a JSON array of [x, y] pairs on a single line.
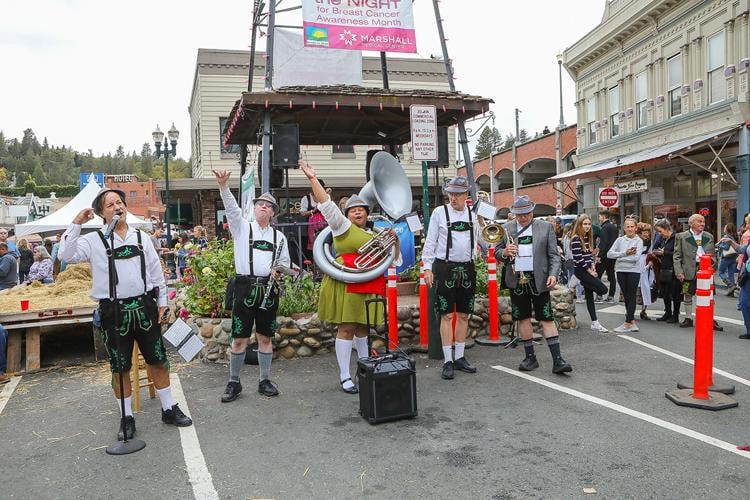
[[515, 158]]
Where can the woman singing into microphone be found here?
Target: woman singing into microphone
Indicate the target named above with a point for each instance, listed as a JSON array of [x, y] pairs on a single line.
[[344, 303]]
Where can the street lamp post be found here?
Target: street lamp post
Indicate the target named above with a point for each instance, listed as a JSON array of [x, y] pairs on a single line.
[[559, 71], [173, 134], [558, 140]]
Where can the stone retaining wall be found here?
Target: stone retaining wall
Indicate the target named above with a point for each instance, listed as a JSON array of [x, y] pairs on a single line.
[[305, 335]]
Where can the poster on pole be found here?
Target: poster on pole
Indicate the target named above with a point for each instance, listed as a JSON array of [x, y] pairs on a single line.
[[377, 25], [424, 139]]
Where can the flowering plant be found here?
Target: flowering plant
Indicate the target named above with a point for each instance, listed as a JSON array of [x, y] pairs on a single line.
[[206, 278]]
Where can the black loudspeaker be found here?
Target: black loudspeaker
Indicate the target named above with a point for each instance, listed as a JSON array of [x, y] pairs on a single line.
[[276, 179], [387, 388], [285, 139], [370, 154], [442, 161]]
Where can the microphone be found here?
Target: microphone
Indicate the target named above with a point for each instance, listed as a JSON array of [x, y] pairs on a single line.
[[112, 224]]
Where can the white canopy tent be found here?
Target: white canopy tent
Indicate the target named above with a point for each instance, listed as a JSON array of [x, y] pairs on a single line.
[[62, 218]]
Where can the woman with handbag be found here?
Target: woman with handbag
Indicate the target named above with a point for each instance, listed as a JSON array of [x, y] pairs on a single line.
[[743, 281], [670, 288], [728, 261]]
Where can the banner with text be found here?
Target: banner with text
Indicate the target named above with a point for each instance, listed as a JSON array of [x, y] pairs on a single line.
[[377, 25]]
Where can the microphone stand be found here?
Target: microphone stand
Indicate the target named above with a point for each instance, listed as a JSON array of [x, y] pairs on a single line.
[[123, 447]]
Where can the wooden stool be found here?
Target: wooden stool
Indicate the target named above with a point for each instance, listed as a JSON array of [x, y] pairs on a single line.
[[137, 381]]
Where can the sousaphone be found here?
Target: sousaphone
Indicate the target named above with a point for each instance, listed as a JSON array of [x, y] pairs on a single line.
[[390, 189]]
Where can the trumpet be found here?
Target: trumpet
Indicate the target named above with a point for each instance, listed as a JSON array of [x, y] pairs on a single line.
[[377, 248], [494, 233]]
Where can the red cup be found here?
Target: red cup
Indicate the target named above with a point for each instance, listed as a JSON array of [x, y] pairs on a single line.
[[25, 305]]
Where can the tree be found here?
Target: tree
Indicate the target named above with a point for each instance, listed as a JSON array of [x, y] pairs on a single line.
[[523, 136], [29, 185], [509, 141], [4, 177], [490, 139]]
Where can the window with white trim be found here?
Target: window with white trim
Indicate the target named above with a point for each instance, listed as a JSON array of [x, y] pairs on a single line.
[[591, 119], [641, 98], [717, 85], [674, 84], [614, 110]]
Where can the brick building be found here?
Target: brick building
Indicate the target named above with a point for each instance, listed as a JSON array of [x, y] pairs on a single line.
[[142, 197], [536, 162]]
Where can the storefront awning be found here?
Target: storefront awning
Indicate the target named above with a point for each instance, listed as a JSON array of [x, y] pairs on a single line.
[[641, 159]]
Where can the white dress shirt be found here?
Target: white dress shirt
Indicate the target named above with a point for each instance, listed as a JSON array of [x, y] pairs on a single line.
[[240, 229], [437, 237], [89, 248], [699, 241]]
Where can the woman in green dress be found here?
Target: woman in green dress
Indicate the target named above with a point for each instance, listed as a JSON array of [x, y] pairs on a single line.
[[344, 303]]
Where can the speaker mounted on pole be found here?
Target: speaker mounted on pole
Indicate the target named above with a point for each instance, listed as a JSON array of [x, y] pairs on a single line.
[[276, 177], [285, 140], [442, 161]]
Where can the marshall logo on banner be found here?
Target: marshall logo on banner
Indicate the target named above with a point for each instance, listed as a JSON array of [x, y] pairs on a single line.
[[377, 25]]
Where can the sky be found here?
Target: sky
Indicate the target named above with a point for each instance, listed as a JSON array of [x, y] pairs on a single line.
[[99, 74]]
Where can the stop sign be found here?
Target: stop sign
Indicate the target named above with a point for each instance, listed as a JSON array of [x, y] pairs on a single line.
[[608, 197]]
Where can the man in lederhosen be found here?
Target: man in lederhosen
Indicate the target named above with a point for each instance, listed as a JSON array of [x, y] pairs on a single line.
[[141, 303], [448, 257], [257, 248], [532, 264]]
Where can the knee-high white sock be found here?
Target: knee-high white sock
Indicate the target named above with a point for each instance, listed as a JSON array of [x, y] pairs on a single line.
[[360, 343], [128, 406], [447, 353], [343, 356], [165, 396], [460, 349]]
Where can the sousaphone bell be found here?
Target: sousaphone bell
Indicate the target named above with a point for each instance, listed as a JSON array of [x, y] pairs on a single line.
[[390, 189]]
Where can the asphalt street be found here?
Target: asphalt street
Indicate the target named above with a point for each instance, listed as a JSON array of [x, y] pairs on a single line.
[[490, 435]]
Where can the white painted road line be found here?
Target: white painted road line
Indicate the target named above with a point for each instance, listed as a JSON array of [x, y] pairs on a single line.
[[723, 445], [683, 358], [621, 310], [200, 478], [10, 386]]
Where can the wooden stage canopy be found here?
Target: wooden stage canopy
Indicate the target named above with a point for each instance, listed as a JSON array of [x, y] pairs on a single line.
[[346, 115]]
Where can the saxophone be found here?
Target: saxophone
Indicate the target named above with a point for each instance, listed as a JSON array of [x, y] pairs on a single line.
[[271, 279]]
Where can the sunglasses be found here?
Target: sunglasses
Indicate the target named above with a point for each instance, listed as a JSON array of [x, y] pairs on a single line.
[[264, 204]]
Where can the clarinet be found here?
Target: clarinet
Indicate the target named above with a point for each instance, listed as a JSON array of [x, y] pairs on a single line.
[[271, 279]]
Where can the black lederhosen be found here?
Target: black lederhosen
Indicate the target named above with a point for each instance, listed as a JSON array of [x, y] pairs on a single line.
[[456, 282], [134, 319], [248, 297], [523, 299]]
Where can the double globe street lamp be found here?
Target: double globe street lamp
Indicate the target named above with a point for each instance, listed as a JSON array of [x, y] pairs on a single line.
[[173, 134]]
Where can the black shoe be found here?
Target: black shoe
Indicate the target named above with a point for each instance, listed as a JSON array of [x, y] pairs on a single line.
[[664, 317], [350, 390], [644, 316], [463, 365], [686, 323], [744, 336], [672, 320], [730, 291], [232, 391], [448, 372], [266, 388], [718, 327], [129, 427], [529, 363], [561, 366], [175, 416]]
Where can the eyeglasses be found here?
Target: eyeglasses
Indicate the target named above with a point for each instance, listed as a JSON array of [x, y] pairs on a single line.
[[265, 204]]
